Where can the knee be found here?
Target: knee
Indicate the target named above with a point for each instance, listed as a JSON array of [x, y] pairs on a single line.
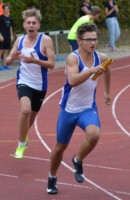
[[59, 149], [93, 138], [93, 134], [25, 112]]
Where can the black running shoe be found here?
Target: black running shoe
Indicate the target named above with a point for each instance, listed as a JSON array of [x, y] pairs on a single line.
[[78, 170], [52, 188]]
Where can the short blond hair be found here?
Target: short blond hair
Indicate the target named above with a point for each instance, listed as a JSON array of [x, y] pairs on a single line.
[[95, 10], [32, 12]]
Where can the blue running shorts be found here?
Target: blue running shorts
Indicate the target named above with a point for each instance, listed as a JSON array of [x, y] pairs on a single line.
[[67, 122]]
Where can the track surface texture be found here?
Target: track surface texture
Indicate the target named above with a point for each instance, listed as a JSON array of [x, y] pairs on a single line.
[[107, 167]]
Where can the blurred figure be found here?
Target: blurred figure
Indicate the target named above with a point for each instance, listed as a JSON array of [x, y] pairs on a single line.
[[72, 36], [36, 55], [85, 8], [111, 10], [1, 7], [1, 13], [6, 34]]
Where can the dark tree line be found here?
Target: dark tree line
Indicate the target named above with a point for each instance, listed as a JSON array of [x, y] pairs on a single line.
[[61, 14]]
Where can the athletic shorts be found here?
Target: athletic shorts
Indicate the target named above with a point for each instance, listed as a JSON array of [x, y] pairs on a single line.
[[36, 97], [6, 44], [68, 121], [74, 44]]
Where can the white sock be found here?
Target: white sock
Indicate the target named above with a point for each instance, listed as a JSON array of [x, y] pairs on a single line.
[[22, 144], [75, 159], [50, 176]]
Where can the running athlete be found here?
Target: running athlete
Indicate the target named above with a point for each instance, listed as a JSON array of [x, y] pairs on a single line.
[[36, 55], [90, 18], [78, 103]]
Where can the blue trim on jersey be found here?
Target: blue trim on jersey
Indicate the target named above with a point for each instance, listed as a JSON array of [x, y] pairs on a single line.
[[20, 46], [97, 62], [94, 99], [37, 48], [18, 75], [67, 88], [66, 92], [81, 65], [42, 57]]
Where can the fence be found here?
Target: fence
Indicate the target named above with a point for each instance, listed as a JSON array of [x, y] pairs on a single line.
[[55, 34]]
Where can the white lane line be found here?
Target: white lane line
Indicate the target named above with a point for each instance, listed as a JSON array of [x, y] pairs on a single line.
[[86, 165], [2, 87], [114, 112], [124, 193], [34, 158], [84, 187], [119, 68], [115, 101], [8, 85], [61, 69], [66, 184], [105, 167], [12, 83], [66, 165], [10, 176]]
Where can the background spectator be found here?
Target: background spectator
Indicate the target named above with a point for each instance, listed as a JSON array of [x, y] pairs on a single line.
[[6, 32], [111, 10], [85, 8], [1, 7], [72, 37]]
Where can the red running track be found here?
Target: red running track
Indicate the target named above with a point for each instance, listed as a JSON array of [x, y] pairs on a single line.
[[106, 169]]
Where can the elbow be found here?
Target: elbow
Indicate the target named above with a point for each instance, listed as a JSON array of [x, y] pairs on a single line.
[[107, 74], [52, 66], [72, 83], [7, 62]]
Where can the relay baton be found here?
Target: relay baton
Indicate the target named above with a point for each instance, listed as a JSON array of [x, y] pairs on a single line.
[[104, 65]]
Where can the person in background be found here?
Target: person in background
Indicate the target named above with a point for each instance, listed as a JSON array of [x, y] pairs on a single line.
[[111, 11], [36, 54], [1, 38], [78, 103], [72, 37], [85, 8], [1, 7], [6, 34]]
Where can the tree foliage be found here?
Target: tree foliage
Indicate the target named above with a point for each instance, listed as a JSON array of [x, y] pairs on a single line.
[[61, 14]]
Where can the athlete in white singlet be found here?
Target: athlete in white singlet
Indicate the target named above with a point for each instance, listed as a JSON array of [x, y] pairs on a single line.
[[36, 55], [78, 103], [37, 78]]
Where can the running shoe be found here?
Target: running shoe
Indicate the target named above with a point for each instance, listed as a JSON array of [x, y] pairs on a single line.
[[20, 151], [52, 188], [78, 170]]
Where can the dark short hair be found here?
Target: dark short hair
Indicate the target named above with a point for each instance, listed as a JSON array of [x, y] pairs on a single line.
[[87, 27]]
